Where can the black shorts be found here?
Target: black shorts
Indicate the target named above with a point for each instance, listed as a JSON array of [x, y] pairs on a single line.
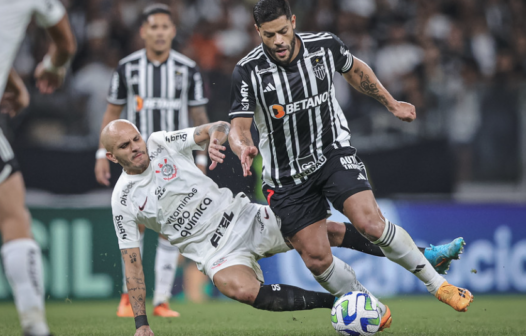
[[299, 206], [8, 163]]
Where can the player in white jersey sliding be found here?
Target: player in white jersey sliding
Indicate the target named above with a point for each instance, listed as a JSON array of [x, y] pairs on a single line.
[[162, 91], [21, 255], [166, 192]]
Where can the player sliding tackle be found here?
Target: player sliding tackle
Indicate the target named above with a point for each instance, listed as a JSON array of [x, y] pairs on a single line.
[[224, 234], [286, 85]]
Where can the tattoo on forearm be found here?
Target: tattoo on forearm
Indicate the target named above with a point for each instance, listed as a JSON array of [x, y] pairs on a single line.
[[371, 89], [198, 130], [222, 127], [138, 305], [133, 257], [138, 280]]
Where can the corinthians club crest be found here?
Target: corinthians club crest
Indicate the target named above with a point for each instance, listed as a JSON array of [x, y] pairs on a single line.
[[319, 69], [167, 170]]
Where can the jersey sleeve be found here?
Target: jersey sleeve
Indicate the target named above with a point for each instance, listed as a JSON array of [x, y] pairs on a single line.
[[126, 229], [196, 95], [343, 59], [118, 93], [181, 141], [242, 97], [48, 12]]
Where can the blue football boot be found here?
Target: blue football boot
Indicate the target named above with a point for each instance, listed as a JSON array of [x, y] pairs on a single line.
[[441, 256]]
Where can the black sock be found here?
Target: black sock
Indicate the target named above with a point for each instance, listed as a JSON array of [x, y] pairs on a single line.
[[280, 297], [354, 240]]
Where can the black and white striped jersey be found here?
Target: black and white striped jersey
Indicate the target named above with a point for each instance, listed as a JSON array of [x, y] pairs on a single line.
[[157, 96], [295, 108]]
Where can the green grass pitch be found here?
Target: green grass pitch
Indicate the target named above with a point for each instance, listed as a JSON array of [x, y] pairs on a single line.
[[411, 316]]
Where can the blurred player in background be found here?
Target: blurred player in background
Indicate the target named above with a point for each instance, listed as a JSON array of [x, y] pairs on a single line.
[[160, 88], [286, 84], [21, 255]]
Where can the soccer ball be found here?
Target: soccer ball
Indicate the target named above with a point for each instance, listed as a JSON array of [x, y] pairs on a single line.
[[355, 313]]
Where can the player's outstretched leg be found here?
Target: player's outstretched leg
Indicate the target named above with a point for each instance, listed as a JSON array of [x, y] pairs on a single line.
[[347, 236], [239, 282], [22, 257], [125, 309], [331, 273], [398, 246], [165, 266]]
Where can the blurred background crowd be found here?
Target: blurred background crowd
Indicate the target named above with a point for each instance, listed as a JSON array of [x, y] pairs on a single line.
[[462, 63]]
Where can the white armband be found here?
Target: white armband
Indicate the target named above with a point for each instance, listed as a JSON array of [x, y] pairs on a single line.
[[100, 154], [201, 160]]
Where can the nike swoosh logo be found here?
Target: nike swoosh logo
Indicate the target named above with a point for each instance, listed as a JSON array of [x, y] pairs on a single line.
[[142, 207], [266, 213]]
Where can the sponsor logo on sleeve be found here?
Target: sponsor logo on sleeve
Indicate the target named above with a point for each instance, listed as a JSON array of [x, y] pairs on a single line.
[[126, 192], [179, 136], [221, 228], [244, 96], [120, 227]]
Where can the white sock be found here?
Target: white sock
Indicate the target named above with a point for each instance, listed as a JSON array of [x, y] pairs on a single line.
[[165, 266], [23, 268], [398, 246], [340, 279], [141, 248]]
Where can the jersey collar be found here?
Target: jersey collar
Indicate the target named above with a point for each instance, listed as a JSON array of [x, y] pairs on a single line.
[[140, 176]]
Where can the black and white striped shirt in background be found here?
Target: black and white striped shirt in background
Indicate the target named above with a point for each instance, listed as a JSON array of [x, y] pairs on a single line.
[[157, 96], [294, 106]]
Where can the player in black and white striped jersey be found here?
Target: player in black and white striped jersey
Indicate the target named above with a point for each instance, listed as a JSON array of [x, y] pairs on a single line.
[[286, 85], [159, 89], [21, 255]]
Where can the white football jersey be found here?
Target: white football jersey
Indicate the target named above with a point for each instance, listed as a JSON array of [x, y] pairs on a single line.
[[14, 18], [173, 197]]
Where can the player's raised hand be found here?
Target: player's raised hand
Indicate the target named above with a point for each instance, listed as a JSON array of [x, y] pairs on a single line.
[[404, 111], [214, 151], [102, 171], [247, 156], [144, 331], [47, 81]]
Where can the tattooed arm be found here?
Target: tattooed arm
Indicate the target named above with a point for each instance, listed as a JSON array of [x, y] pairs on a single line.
[[217, 133], [363, 79], [199, 117], [135, 283], [241, 143]]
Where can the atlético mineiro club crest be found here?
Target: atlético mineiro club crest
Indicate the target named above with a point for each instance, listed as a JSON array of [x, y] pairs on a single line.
[[319, 70], [167, 170]]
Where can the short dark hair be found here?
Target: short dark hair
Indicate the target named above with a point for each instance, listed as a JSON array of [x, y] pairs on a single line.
[[155, 9], [269, 10]]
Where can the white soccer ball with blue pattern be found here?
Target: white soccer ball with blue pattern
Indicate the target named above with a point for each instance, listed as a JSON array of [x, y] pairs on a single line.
[[356, 313]]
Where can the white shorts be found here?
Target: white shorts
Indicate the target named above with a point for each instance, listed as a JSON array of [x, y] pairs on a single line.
[[255, 235]]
